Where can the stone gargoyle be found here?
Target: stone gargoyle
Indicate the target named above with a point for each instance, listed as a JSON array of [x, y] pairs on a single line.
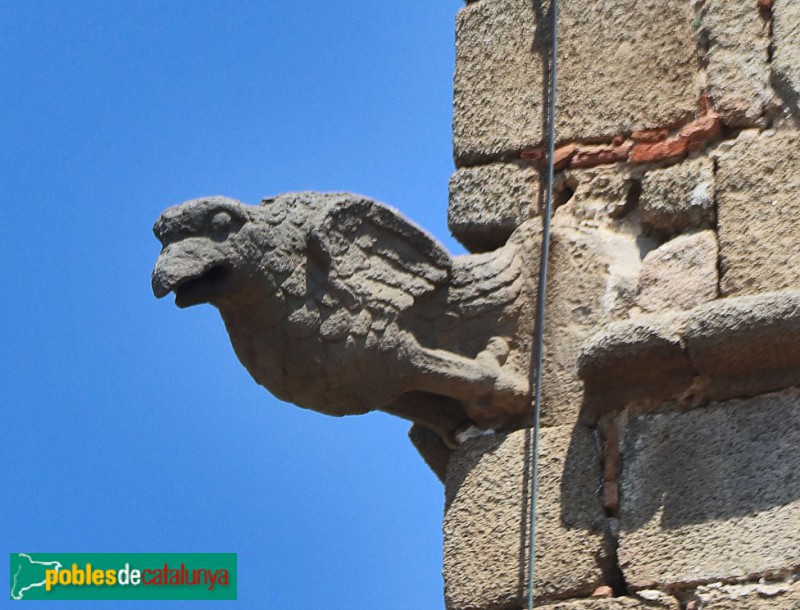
[[337, 303]]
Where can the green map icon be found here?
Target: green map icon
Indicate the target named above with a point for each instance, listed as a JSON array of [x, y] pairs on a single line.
[[27, 573]]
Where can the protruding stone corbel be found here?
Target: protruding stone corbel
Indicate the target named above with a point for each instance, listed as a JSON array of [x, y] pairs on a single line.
[[727, 348]]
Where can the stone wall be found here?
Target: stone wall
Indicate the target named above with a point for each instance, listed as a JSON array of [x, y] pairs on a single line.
[[669, 472]]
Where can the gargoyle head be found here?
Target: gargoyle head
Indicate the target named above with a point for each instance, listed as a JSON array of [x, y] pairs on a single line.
[[204, 255]]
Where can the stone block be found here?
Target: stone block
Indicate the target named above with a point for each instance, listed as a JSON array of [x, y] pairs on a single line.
[[499, 73], [747, 345], [786, 53], [711, 494], [679, 197], [488, 202], [758, 208], [738, 70], [680, 274], [758, 596], [622, 66], [486, 519], [617, 603]]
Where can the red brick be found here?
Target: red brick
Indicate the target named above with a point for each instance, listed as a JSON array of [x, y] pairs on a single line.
[[650, 135], [611, 460], [598, 155], [562, 155], [537, 155], [603, 591], [704, 104], [698, 132], [659, 151], [611, 497]]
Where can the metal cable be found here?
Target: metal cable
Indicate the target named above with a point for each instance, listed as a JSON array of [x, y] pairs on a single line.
[[541, 298]]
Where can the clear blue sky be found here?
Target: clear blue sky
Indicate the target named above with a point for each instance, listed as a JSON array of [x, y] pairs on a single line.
[[128, 425]]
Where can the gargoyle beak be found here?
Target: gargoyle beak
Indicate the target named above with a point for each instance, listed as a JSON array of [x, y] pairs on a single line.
[[186, 269], [174, 267]]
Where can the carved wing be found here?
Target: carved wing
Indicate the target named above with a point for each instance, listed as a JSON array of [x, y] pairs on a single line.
[[484, 282], [374, 258]]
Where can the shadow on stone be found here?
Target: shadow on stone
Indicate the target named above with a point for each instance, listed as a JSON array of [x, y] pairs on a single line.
[[711, 493], [723, 462], [541, 45], [487, 519], [787, 93]]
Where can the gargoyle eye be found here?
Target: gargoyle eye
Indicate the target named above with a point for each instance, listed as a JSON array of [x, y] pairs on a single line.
[[221, 223]]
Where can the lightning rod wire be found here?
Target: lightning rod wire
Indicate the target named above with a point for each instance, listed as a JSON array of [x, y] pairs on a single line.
[[541, 299]]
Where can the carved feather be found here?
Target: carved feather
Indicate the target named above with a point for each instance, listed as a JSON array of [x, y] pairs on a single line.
[[374, 258]]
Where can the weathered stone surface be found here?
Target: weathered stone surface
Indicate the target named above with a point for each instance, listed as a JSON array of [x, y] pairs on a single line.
[[592, 279], [337, 303], [724, 349], [489, 201], [786, 53], [618, 603], [711, 493], [599, 194], [498, 80], [593, 269], [759, 596], [746, 346], [486, 525], [758, 208], [636, 363], [737, 60], [679, 197], [618, 71], [624, 65], [680, 274]]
